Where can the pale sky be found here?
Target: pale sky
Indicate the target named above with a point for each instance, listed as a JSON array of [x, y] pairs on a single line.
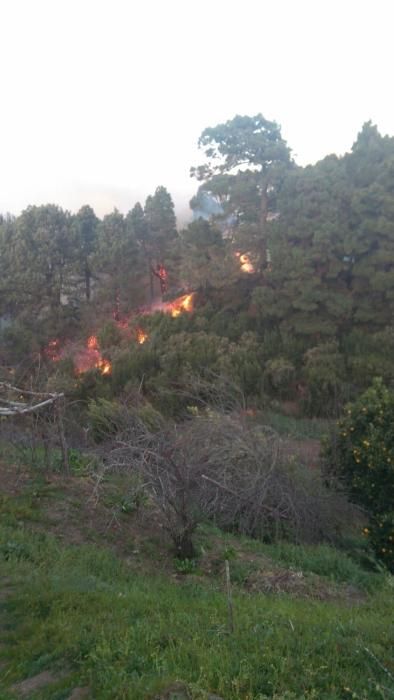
[[103, 100]]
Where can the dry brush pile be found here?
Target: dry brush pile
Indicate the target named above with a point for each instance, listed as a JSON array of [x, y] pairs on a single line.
[[221, 468]]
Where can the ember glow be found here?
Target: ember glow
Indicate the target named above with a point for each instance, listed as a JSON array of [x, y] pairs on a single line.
[[161, 273], [53, 350], [92, 343]]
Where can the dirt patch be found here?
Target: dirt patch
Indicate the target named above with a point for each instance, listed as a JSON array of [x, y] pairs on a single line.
[[13, 479], [279, 580], [176, 691], [305, 451], [30, 685], [81, 515], [80, 694]]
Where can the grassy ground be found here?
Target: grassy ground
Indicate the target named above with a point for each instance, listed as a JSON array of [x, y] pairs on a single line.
[[297, 428], [111, 611]]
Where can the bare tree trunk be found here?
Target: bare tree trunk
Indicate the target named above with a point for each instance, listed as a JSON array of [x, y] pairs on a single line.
[[151, 287], [88, 277], [184, 545], [263, 226]]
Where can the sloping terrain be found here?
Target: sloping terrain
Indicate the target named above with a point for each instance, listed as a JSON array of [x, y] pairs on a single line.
[[94, 605]]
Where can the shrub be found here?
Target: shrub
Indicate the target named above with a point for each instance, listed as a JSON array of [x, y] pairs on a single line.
[[221, 468], [279, 375], [361, 453], [324, 374], [105, 418], [109, 335]]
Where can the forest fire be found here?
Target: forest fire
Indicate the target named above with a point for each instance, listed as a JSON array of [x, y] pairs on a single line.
[[91, 358], [84, 359], [183, 303]]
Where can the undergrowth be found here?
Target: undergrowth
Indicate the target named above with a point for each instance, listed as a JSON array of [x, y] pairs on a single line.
[[127, 636]]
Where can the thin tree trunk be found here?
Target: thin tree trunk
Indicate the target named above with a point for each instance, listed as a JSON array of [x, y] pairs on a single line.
[[88, 277], [263, 226], [152, 289]]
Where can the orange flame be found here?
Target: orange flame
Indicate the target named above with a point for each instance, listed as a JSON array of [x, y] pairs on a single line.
[[91, 358], [176, 307], [105, 366], [142, 336], [245, 262], [92, 343]]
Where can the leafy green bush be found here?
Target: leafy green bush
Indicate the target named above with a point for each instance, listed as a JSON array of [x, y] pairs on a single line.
[[361, 452]]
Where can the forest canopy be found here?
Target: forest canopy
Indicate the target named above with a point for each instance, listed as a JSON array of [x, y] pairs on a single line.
[[285, 275]]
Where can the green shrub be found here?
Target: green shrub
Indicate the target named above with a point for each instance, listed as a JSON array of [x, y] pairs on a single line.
[[381, 536], [185, 566], [279, 375], [324, 375], [361, 453], [109, 335], [105, 418]]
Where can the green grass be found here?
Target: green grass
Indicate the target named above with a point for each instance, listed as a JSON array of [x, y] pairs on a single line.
[[35, 459], [335, 565], [298, 428], [324, 561], [127, 635]]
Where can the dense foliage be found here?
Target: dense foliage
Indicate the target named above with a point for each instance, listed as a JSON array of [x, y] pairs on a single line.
[[293, 269], [362, 454]]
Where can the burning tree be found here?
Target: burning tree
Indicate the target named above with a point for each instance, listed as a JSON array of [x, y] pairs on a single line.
[[246, 158]]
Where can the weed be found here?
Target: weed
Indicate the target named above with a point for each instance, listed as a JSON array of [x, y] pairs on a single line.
[[185, 566]]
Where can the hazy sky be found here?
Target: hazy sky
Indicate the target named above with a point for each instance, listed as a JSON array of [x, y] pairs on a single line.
[[103, 100]]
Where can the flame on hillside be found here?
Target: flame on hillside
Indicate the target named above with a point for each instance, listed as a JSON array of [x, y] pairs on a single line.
[[141, 335], [174, 308], [245, 262], [178, 306], [92, 343], [90, 357], [84, 359]]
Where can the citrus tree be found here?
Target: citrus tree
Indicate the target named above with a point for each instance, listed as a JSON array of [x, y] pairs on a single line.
[[362, 455]]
